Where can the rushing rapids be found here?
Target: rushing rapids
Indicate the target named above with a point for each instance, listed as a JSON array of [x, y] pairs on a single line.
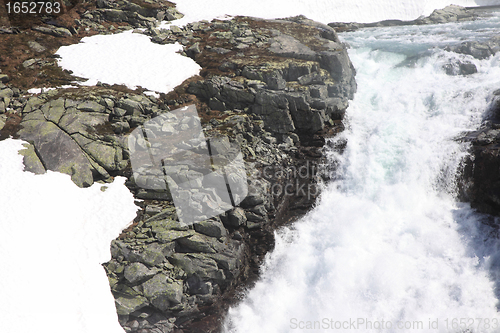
[[388, 247]]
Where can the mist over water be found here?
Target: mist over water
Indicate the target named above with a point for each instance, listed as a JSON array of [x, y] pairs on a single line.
[[388, 242]]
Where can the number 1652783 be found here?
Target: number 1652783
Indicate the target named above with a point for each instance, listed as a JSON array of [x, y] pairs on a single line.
[[33, 7]]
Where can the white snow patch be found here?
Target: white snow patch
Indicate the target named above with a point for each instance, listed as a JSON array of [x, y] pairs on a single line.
[[325, 11], [41, 90], [54, 238], [38, 90], [130, 59], [151, 93]]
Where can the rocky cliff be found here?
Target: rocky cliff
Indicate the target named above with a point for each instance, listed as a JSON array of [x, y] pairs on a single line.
[[481, 179], [274, 88], [479, 182]]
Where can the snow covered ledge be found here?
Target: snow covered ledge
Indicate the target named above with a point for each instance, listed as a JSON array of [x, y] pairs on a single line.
[[61, 235]]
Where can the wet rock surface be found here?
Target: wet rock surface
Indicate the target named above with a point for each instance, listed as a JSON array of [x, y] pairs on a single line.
[[477, 49], [481, 181]]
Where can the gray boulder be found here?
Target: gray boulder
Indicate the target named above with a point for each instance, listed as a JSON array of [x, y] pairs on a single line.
[[137, 272], [460, 68], [91, 106], [452, 13], [476, 49], [54, 31], [199, 287], [114, 15], [31, 160], [126, 305], [162, 292], [153, 254], [211, 228], [237, 217], [288, 46], [200, 243], [200, 264], [37, 47], [129, 105]]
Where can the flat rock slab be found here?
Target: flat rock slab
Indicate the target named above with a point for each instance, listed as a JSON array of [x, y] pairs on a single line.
[[57, 150]]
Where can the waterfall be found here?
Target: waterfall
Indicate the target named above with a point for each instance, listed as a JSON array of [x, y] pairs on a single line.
[[388, 248]]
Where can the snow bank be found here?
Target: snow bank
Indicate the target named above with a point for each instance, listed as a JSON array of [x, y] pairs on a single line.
[[130, 59], [53, 238], [325, 11]]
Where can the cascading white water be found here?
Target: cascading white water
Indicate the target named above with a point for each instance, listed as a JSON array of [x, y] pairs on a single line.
[[388, 248]]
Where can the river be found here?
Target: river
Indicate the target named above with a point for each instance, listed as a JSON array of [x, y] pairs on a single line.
[[389, 248]]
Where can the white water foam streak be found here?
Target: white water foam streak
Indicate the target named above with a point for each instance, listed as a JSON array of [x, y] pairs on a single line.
[[388, 242]]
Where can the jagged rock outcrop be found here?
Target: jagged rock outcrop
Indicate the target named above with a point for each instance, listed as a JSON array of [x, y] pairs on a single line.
[[86, 131], [479, 50], [164, 274], [274, 88], [452, 13], [481, 180], [279, 86], [146, 15], [305, 87], [209, 258]]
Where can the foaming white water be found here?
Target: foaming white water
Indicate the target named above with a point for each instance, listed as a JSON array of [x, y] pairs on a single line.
[[325, 11], [388, 249]]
